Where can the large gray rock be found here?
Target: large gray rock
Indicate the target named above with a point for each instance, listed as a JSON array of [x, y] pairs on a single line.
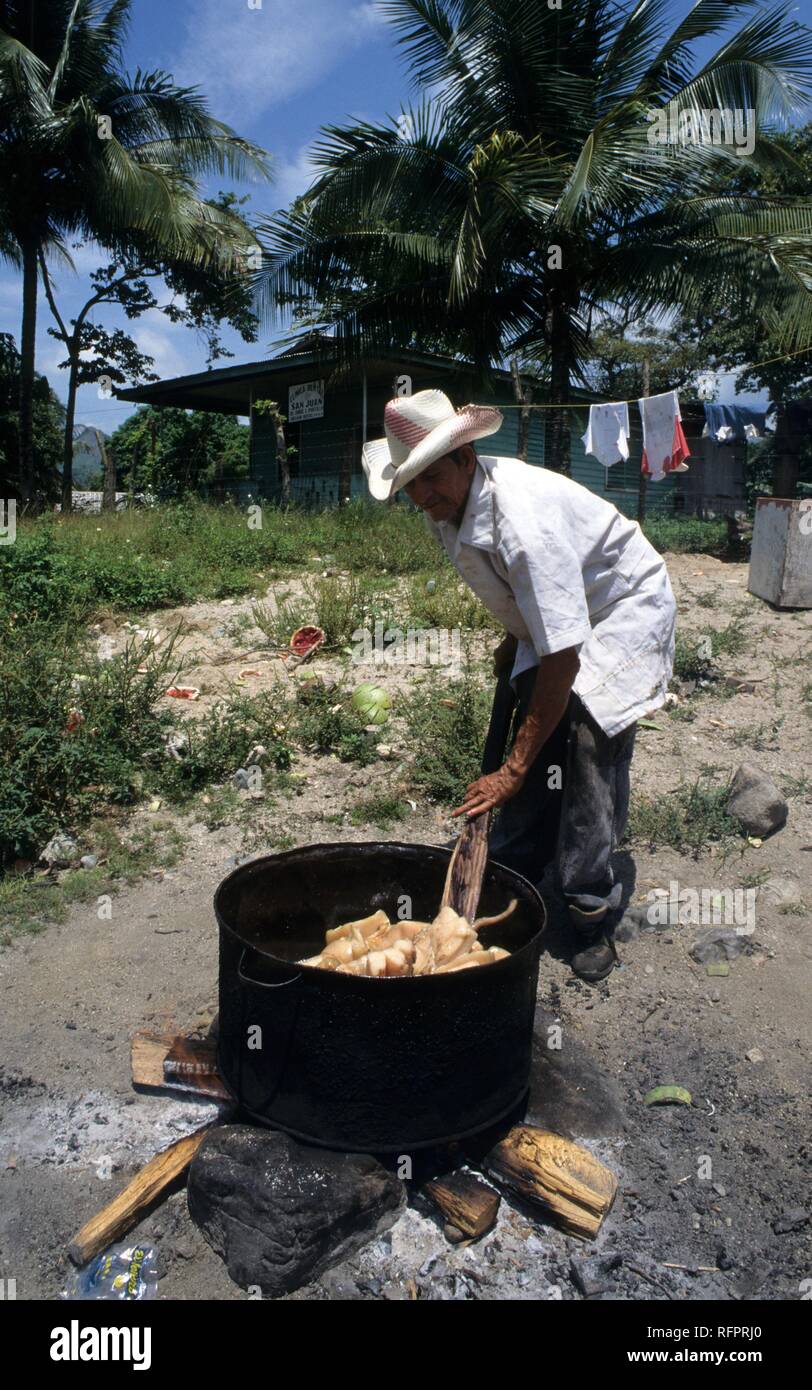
[[719, 943], [280, 1213], [755, 801]]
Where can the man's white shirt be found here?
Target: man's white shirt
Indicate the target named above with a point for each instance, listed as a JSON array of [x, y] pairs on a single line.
[[560, 567]]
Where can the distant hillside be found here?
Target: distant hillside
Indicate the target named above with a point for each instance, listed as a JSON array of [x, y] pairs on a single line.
[[87, 456]]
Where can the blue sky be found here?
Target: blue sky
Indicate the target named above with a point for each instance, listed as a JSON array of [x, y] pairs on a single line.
[[274, 70]]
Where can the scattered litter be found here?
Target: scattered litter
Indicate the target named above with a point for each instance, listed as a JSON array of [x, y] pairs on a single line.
[[306, 640], [718, 967], [755, 1055], [183, 692], [60, 851], [754, 841], [88, 861], [177, 743], [74, 721], [122, 1272], [155, 804], [647, 724], [668, 1095]]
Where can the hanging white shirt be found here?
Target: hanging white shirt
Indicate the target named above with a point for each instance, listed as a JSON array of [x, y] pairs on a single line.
[[665, 447], [607, 434], [560, 567]]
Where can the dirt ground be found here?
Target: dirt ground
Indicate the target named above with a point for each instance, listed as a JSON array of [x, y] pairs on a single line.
[[713, 1201]]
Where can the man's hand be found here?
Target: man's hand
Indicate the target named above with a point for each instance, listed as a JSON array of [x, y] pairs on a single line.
[[505, 654], [487, 792]]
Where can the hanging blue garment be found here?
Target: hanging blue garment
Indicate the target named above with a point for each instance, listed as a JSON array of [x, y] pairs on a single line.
[[731, 424]]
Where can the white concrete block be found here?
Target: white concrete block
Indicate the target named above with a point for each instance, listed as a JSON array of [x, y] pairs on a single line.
[[781, 553]]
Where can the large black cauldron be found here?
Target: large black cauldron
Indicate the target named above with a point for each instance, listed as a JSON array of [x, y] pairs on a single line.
[[362, 1064]]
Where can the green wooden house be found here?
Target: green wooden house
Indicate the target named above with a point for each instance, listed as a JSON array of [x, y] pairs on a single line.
[[331, 413]]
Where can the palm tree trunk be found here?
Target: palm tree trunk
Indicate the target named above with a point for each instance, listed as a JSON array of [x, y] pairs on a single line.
[[643, 484], [282, 460], [521, 395], [108, 503], [67, 450], [27, 363], [557, 433]]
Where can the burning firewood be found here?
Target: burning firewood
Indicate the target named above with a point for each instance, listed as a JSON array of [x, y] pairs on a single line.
[[375, 947]]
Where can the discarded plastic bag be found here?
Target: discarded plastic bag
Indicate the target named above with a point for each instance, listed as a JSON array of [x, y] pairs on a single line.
[[125, 1272]]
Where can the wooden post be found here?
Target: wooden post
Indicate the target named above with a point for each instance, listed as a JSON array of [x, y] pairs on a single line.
[[109, 486], [521, 396], [643, 484]]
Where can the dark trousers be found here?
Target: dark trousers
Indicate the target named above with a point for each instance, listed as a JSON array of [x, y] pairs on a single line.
[[572, 807]]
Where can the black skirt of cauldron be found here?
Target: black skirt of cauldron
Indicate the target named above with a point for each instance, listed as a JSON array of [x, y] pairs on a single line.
[[364, 1064]]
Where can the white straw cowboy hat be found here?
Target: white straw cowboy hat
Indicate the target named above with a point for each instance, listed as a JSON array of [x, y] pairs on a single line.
[[420, 429]]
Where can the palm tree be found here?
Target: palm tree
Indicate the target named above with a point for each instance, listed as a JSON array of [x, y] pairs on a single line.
[[524, 192], [87, 151]]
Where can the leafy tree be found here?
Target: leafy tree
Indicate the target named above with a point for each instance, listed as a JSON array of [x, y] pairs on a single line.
[[86, 149], [526, 193], [202, 299], [620, 353], [47, 420], [172, 450]]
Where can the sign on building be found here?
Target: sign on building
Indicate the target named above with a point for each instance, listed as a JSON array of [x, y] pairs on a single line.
[[306, 401]]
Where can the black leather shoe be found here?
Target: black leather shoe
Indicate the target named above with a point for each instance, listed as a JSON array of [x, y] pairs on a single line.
[[594, 959]]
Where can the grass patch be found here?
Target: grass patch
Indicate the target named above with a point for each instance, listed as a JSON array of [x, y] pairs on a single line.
[[339, 606], [448, 739], [688, 535], [439, 599], [696, 655], [381, 811], [78, 735], [326, 722], [757, 736], [687, 819], [796, 786], [29, 903]]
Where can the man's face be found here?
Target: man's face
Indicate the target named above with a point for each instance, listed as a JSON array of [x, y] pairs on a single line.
[[442, 489]]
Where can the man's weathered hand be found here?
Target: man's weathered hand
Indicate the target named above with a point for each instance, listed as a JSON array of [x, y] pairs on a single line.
[[486, 792]]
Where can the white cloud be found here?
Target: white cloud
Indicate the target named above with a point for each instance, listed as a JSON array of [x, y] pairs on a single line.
[[249, 58], [293, 177]]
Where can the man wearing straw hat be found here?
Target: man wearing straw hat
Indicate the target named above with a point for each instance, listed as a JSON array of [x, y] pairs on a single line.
[[589, 617]]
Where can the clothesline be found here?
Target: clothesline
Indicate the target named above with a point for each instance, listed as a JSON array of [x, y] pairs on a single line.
[[632, 400]]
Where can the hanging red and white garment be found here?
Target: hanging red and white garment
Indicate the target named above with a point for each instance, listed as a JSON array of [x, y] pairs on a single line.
[[664, 444]]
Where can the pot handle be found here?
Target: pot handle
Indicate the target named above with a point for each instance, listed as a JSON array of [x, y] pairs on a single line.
[[261, 984], [292, 1002]]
